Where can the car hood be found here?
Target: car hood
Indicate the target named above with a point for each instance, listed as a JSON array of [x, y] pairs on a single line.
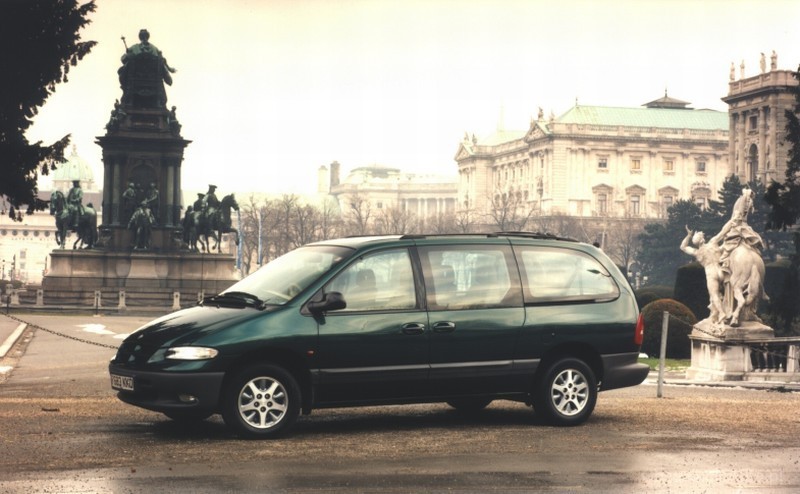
[[188, 325]]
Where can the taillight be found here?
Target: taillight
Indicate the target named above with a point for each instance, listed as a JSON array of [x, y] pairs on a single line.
[[638, 335]]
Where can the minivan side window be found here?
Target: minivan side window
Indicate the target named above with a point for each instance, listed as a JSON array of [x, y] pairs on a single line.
[[470, 277], [553, 275], [381, 281]]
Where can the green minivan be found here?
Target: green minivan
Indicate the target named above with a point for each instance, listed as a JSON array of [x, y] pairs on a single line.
[[462, 319]]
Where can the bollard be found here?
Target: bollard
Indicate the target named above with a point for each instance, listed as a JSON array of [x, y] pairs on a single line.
[[97, 301], [663, 354], [200, 296], [176, 300], [121, 305], [39, 297]]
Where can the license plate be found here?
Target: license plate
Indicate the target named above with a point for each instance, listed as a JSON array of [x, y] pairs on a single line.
[[123, 383]]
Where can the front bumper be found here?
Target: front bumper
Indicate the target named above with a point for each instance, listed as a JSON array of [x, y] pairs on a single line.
[[170, 391]]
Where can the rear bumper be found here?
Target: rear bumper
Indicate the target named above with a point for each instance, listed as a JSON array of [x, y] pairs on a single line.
[[170, 392], [623, 370]]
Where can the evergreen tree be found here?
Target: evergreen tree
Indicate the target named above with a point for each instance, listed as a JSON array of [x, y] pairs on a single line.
[[39, 41], [660, 255]]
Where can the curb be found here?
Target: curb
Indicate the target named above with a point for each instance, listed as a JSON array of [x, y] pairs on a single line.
[[12, 339]]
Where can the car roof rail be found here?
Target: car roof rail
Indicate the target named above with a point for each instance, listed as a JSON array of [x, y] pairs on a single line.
[[521, 234], [534, 235]]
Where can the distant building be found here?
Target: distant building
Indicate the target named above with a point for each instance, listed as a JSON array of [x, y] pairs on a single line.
[[383, 188], [596, 161], [757, 107]]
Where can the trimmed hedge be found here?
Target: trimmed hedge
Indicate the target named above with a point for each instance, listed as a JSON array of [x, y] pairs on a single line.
[[650, 293], [680, 326]]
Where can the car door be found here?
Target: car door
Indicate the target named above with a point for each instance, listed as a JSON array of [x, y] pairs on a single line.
[[377, 347], [475, 311]]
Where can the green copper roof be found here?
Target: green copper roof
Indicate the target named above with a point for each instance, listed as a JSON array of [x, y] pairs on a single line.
[[76, 168], [646, 117]]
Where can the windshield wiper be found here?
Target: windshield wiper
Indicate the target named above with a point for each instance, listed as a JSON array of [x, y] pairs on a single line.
[[243, 299]]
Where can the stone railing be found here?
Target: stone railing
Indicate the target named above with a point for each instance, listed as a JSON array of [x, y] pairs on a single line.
[[754, 359], [774, 359]]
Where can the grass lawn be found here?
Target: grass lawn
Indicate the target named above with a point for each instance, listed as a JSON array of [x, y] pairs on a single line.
[[670, 364]]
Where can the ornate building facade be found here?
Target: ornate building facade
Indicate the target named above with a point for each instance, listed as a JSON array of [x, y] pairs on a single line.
[[384, 188], [757, 107], [601, 162]]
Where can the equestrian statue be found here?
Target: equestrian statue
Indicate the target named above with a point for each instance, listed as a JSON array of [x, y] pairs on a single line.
[[72, 216]]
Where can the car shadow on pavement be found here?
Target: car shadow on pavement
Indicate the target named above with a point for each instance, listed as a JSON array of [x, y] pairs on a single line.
[[414, 418]]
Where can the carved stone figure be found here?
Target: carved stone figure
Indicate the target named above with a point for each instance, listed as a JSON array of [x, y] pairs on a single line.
[[762, 63], [708, 255], [734, 267], [773, 61], [733, 72], [143, 74]]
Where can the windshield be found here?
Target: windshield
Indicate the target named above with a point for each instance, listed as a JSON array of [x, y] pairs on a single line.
[[280, 280]]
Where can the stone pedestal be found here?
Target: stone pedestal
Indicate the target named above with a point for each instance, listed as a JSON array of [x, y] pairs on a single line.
[[719, 352], [145, 279]]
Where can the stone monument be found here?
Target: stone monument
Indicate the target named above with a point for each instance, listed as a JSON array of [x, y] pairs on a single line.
[[734, 272], [139, 254]]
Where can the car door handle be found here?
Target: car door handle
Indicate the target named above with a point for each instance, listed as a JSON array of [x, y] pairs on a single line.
[[413, 328], [444, 327]]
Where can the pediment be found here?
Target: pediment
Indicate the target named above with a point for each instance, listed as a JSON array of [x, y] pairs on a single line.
[[463, 152], [536, 132]]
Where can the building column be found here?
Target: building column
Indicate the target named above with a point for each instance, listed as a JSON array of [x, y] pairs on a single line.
[[762, 145], [741, 163], [169, 200], [115, 188]]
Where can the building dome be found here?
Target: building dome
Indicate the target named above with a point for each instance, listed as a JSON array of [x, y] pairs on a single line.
[[76, 168]]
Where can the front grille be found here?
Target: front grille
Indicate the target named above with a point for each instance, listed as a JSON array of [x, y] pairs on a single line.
[[134, 352]]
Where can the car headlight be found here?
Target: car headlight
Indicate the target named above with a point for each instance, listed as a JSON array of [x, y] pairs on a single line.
[[190, 353]]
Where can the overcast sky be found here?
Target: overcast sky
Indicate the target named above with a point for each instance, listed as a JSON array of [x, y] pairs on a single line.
[[270, 90]]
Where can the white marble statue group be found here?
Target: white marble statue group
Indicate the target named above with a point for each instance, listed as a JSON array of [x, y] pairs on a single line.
[[733, 266]]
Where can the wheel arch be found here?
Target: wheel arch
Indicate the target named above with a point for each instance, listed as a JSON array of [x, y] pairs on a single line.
[[289, 360], [581, 351]]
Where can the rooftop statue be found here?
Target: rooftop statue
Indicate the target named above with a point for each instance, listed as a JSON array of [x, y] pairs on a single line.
[[734, 268], [143, 74]]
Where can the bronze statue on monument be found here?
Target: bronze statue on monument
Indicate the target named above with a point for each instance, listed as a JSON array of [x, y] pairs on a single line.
[[139, 251]]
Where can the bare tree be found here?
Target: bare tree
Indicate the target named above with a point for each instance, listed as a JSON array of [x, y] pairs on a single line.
[[508, 211], [358, 215], [623, 243], [464, 221], [395, 220], [561, 225]]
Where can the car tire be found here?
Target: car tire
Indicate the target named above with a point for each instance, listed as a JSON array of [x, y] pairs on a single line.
[[469, 404], [261, 401], [566, 393]]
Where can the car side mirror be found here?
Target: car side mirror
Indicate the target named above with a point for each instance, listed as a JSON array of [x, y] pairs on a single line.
[[330, 301]]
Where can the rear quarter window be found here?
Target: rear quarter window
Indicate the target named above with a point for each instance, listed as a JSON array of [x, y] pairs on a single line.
[[563, 275]]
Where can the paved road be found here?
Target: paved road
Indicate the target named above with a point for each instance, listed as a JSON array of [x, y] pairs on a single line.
[[64, 431]]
